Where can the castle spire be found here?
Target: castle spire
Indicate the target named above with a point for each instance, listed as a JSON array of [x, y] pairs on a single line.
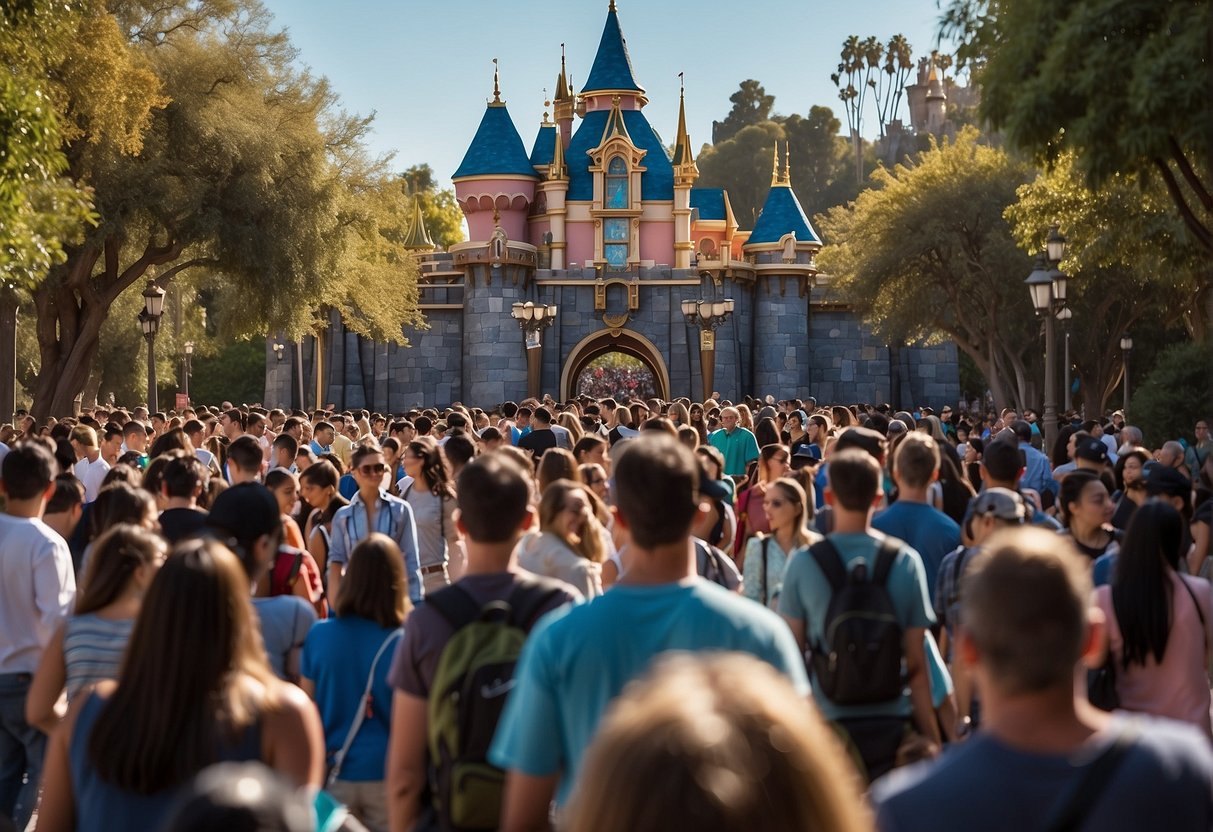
[[787, 163], [612, 68], [682, 142], [562, 83], [496, 85], [775, 164], [558, 169], [418, 238]]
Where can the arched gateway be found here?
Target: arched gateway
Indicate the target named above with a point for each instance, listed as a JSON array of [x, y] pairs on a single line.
[[603, 343]]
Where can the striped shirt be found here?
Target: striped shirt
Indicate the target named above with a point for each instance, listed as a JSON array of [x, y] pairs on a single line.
[[93, 648], [393, 517]]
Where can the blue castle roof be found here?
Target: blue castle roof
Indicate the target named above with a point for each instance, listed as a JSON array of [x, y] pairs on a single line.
[[544, 148], [612, 69], [657, 182], [782, 215], [709, 201], [497, 148]]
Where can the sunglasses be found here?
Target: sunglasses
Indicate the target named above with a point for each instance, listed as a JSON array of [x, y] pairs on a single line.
[[373, 469]]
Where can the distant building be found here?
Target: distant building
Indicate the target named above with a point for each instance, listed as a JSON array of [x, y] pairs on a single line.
[[600, 222]]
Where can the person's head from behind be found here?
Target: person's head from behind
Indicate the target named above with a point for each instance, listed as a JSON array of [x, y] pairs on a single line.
[[656, 489], [853, 481], [493, 495], [121, 502], [916, 462], [375, 586], [195, 637], [556, 464], [246, 518], [28, 470], [240, 797], [1024, 614], [244, 458], [994, 509], [732, 739], [123, 560], [184, 478], [1001, 464]]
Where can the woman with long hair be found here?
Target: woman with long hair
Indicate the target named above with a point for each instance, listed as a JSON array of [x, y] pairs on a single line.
[[1158, 621], [89, 645], [733, 747], [318, 487], [1130, 475], [974, 448], [1086, 514], [955, 489], [795, 432], [556, 464], [678, 414], [195, 689], [431, 494], [745, 418], [766, 432], [774, 461], [345, 656], [786, 506], [698, 422], [842, 417], [623, 426], [572, 424], [569, 543]]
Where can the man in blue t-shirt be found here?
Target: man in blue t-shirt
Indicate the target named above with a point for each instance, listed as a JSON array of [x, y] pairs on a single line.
[[579, 659], [875, 730], [912, 518], [736, 443], [1025, 625]]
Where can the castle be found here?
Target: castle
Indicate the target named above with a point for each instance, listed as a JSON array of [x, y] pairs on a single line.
[[598, 242]]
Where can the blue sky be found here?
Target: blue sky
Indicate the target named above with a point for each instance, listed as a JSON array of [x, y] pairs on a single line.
[[426, 68]]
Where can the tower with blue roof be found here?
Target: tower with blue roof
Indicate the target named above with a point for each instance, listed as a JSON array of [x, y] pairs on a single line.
[[599, 220]]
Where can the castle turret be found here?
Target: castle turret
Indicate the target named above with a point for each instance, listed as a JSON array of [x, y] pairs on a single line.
[[782, 247], [564, 103], [685, 174], [495, 183], [937, 103], [612, 75]]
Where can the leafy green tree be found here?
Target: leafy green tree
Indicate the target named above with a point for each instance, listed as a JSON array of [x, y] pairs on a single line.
[[751, 105], [1174, 395], [237, 166], [820, 160], [1123, 84], [1143, 277], [927, 254], [742, 164]]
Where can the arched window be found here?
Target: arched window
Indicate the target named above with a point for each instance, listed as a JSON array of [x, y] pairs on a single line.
[[616, 191]]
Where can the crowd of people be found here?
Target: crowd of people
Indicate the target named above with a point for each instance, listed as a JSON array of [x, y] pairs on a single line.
[[603, 614]]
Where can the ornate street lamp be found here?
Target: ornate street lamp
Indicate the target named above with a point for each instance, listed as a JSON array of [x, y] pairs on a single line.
[[532, 319], [707, 315], [279, 349], [1064, 315], [149, 322], [189, 361], [1047, 286]]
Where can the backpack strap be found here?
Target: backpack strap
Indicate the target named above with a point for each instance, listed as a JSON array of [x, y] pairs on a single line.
[[1091, 784], [766, 545], [886, 556], [829, 561], [455, 605]]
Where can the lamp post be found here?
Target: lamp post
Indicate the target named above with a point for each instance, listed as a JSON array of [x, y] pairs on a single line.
[[707, 315], [1047, 285], [533, 318], [1064, 316], [1126, 346], [189, 366], [149, 322], [279, 349]]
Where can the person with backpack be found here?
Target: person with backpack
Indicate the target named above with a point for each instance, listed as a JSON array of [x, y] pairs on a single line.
[[1046, 759], [859, 601], [580, 658], [465, 639]]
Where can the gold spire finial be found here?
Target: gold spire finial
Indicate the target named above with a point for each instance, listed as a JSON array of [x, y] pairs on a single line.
[[562, 83], [547, 102], [787, 162], [775, 164], [496, 83], [682, 142]]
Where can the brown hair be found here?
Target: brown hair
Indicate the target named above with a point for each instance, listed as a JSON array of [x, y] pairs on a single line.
[[113, 561], [795, 492], [375, 586], [657, 489], [556, 464], [183, 685], [493, 497], [854, 478], [916, 460], [732, 739], [1024, 602], [551, 504]]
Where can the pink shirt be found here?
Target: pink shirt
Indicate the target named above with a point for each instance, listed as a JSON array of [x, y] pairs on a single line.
[[1177, 687]]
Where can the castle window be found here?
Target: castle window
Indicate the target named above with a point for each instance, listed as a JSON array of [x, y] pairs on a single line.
[[617, 184], [615, 239]]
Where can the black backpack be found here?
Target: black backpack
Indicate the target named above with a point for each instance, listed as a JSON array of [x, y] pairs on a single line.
[[858, 661]]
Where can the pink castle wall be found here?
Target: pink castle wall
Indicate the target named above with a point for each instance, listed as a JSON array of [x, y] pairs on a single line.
[[539, 227], [605, 102], [511, 197], [581, 242], [657, 241]]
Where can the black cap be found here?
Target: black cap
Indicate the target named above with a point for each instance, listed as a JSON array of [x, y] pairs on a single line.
[[1163, 480], [1092, 450], [245, 512], [865, 439]]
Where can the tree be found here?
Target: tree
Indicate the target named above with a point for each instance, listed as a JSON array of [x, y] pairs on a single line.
[[742, 164], [1174, 395], [1144, 275], [1123, 84], [245, 170], [891, 81], [820, 160], [926, 254], [751, 105]]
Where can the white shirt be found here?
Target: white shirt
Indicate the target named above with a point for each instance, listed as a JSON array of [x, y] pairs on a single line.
[[37, 589], [91, 474]]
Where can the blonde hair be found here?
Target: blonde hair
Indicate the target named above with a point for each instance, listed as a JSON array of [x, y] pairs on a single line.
[[588, 543], [745, 418], [732, 740]]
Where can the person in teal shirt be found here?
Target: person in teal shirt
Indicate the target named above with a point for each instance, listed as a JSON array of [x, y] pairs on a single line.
[[738, 445], [577, 660]]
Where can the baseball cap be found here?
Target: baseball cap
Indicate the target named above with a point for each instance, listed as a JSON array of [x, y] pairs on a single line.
[[1166, 481], [245, 512], [1092, 450], [1001, 503]]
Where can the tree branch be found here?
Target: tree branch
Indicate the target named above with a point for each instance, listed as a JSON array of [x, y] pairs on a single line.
[[1201, 232], [1185, 168]]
